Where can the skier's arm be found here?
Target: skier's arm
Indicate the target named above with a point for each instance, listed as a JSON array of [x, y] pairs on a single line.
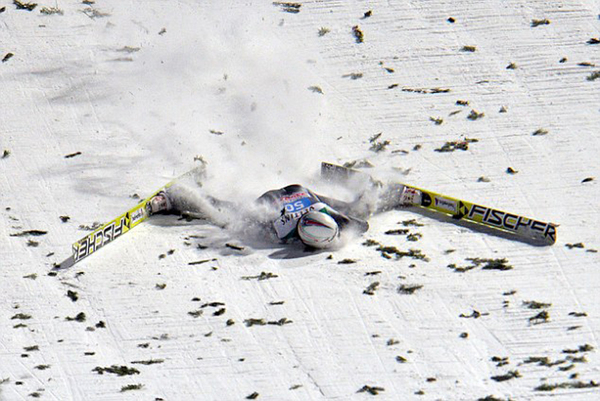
[[348, 222], [342, 213], [341, 206]]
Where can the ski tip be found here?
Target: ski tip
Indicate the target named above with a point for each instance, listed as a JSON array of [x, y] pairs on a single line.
[[65, 264], [333, 172]]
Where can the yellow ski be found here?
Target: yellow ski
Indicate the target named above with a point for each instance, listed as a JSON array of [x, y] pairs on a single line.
[[459, 209], [122, 224]]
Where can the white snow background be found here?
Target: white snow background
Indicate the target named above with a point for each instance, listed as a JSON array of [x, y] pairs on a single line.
[[141, 88]]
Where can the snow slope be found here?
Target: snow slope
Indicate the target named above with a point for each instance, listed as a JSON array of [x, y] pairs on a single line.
[[141, 89]]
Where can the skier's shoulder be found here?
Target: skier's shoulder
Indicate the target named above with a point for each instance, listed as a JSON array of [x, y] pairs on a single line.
[[288, 194], [296, 191]]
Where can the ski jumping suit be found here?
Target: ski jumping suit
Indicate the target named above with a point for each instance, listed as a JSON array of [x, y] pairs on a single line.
[[287, 204], [294, 201]]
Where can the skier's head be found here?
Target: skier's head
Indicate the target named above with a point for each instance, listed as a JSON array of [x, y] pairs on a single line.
[[318, 230]]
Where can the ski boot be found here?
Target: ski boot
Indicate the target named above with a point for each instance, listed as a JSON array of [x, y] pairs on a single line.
[[410, 197], [160, 203]]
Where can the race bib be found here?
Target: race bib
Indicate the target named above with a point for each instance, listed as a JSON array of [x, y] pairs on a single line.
[[297, 205], [286, 224]]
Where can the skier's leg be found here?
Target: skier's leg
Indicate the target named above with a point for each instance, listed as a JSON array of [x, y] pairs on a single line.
[[398, 195], [389, 197], [192, 203]]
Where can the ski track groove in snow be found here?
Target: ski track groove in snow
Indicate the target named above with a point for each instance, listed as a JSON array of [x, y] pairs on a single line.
[[244, 69]]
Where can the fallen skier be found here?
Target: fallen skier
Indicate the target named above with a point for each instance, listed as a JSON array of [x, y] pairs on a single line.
[[290, 213], [295, 212]]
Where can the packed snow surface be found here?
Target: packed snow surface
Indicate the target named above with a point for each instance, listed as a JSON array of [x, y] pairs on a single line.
[[102, 102]]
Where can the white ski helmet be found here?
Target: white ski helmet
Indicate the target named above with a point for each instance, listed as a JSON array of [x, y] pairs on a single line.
[[317, 229]]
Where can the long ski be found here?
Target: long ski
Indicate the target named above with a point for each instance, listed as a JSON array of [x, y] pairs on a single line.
[[118, 226], [527, 228]]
